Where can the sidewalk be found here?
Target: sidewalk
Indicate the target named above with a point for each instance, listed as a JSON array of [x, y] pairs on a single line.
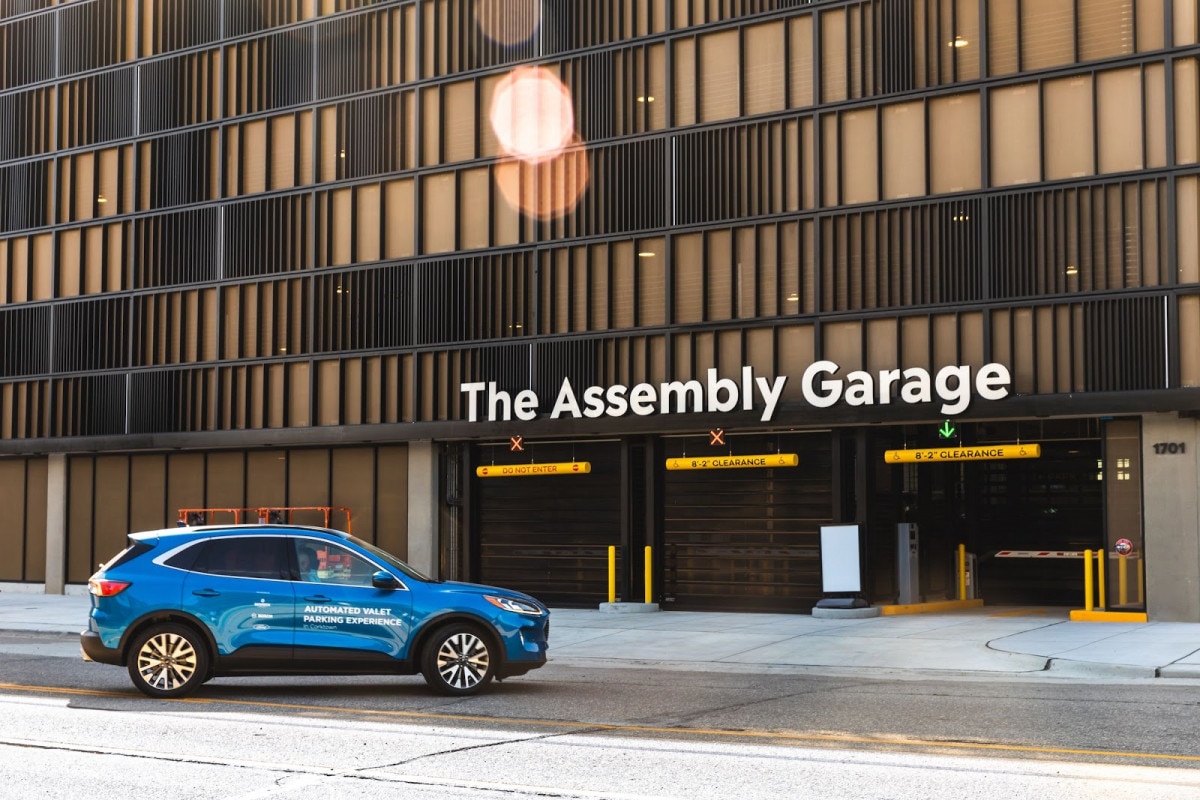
[[1000, 641]]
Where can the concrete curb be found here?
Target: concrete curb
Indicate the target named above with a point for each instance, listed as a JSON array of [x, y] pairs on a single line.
[[1187, 671], [743, 668], [1066, 668]]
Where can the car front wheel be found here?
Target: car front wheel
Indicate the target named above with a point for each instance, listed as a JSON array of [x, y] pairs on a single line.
[[168, 661], [458, 660]]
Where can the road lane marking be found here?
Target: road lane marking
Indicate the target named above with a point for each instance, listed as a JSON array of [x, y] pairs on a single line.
[[602, 727]]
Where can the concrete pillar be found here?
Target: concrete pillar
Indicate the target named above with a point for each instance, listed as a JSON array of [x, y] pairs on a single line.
[[1170, 485], [423, 506], [56, 524]]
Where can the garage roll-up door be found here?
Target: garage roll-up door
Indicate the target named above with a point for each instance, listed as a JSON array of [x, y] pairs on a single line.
[[548, 536], [749, 539]]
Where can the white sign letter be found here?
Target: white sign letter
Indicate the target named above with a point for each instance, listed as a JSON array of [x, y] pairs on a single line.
[[833, 389], [992, 381], [525, 406], [566, 401], [473, 390]]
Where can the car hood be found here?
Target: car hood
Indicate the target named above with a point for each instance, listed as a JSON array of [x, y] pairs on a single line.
[[459, 587]]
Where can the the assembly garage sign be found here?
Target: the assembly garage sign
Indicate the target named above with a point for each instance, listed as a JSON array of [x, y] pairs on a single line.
[[822, 386]]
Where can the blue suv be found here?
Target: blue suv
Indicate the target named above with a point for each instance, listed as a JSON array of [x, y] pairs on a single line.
[[180, 606]]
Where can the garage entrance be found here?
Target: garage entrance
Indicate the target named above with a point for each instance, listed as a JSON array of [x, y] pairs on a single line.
[[1052, 504]]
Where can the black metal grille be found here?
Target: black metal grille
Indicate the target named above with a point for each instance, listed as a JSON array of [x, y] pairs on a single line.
[[94, 35], [23, 199], [26, 50], [91, 335], [171, 92], [27, 130], [266, 237], [1125, 344], [176, 248], [24, 341], [91, 405], [110, 100], [186, 23], [180, 169]]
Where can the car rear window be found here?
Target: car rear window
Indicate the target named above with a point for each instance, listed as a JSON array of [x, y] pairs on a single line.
[[131, 551]]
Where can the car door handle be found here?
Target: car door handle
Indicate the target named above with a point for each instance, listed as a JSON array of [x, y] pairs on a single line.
[[318, 598], [206, 593]]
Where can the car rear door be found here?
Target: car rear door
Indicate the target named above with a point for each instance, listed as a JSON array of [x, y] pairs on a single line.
[[239, 588]]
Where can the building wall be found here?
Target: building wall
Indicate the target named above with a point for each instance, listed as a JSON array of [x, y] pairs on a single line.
[[301, 224], [23, 497], [1172, 516], [313, 222]]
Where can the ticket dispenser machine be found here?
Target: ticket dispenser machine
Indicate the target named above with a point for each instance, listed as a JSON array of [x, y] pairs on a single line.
[[908, 573]]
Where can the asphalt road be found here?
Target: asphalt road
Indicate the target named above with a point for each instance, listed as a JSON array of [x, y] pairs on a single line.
[[583, 732]]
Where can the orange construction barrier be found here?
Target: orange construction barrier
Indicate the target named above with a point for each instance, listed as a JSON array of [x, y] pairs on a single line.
[[261, 515]]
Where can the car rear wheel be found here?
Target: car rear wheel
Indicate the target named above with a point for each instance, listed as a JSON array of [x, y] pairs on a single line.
[[458, 660], [168, 660]]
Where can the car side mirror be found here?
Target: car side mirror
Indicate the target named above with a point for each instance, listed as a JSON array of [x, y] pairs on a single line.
[[384, 580]]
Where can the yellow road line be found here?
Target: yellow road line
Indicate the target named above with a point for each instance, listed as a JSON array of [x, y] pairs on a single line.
[[772, 736]]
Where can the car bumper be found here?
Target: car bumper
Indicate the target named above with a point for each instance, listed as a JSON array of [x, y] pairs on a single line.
[[515, 668], [94, 649], [527, 650]]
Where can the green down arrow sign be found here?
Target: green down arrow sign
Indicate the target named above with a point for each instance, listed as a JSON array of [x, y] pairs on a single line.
[[947, 430]]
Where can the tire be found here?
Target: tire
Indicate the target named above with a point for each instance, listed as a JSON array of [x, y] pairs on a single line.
[[458, 660], [168, 660]]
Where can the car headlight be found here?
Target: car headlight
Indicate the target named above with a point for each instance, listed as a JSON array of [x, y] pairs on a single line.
[[513, 604]]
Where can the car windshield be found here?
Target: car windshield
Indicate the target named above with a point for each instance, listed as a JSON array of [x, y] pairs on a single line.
[[391, 560]]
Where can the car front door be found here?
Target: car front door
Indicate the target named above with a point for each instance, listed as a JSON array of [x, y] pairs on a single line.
[[341, 616], [239, 588]]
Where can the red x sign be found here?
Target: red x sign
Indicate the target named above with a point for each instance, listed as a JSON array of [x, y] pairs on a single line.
[[516, 444], [716, 437]]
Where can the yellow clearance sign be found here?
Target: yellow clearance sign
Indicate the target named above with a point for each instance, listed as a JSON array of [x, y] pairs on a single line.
[[735, 462], [981, 452], [529, 470]]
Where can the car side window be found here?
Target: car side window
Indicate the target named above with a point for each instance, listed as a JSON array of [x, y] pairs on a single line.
[[325, 562], [244, 557]]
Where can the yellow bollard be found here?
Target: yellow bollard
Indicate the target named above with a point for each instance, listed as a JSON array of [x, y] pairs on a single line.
[[962, 572], [612, 574], [1122, 581], [649, 581], [1101, 574], [1087, 580]]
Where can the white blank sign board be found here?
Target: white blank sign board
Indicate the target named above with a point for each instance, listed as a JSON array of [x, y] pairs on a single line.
[[840, 570]]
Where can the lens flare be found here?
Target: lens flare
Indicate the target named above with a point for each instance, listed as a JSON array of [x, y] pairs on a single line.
[[546, 189], [532, 115], [508, 22]]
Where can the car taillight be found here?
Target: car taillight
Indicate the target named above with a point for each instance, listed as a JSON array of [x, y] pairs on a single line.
[[106, 588]]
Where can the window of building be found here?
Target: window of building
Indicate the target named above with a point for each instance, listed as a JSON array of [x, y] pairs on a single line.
[[800, 61], [1047, 33], [834, 76], [1016, 141], [721, 76], [954, 158], [1119, 119], [1187, 112], [765, 64], [860, 170], [1068, 127]]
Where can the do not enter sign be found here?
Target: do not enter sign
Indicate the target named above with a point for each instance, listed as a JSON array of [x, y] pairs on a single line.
[[1124, 547]]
